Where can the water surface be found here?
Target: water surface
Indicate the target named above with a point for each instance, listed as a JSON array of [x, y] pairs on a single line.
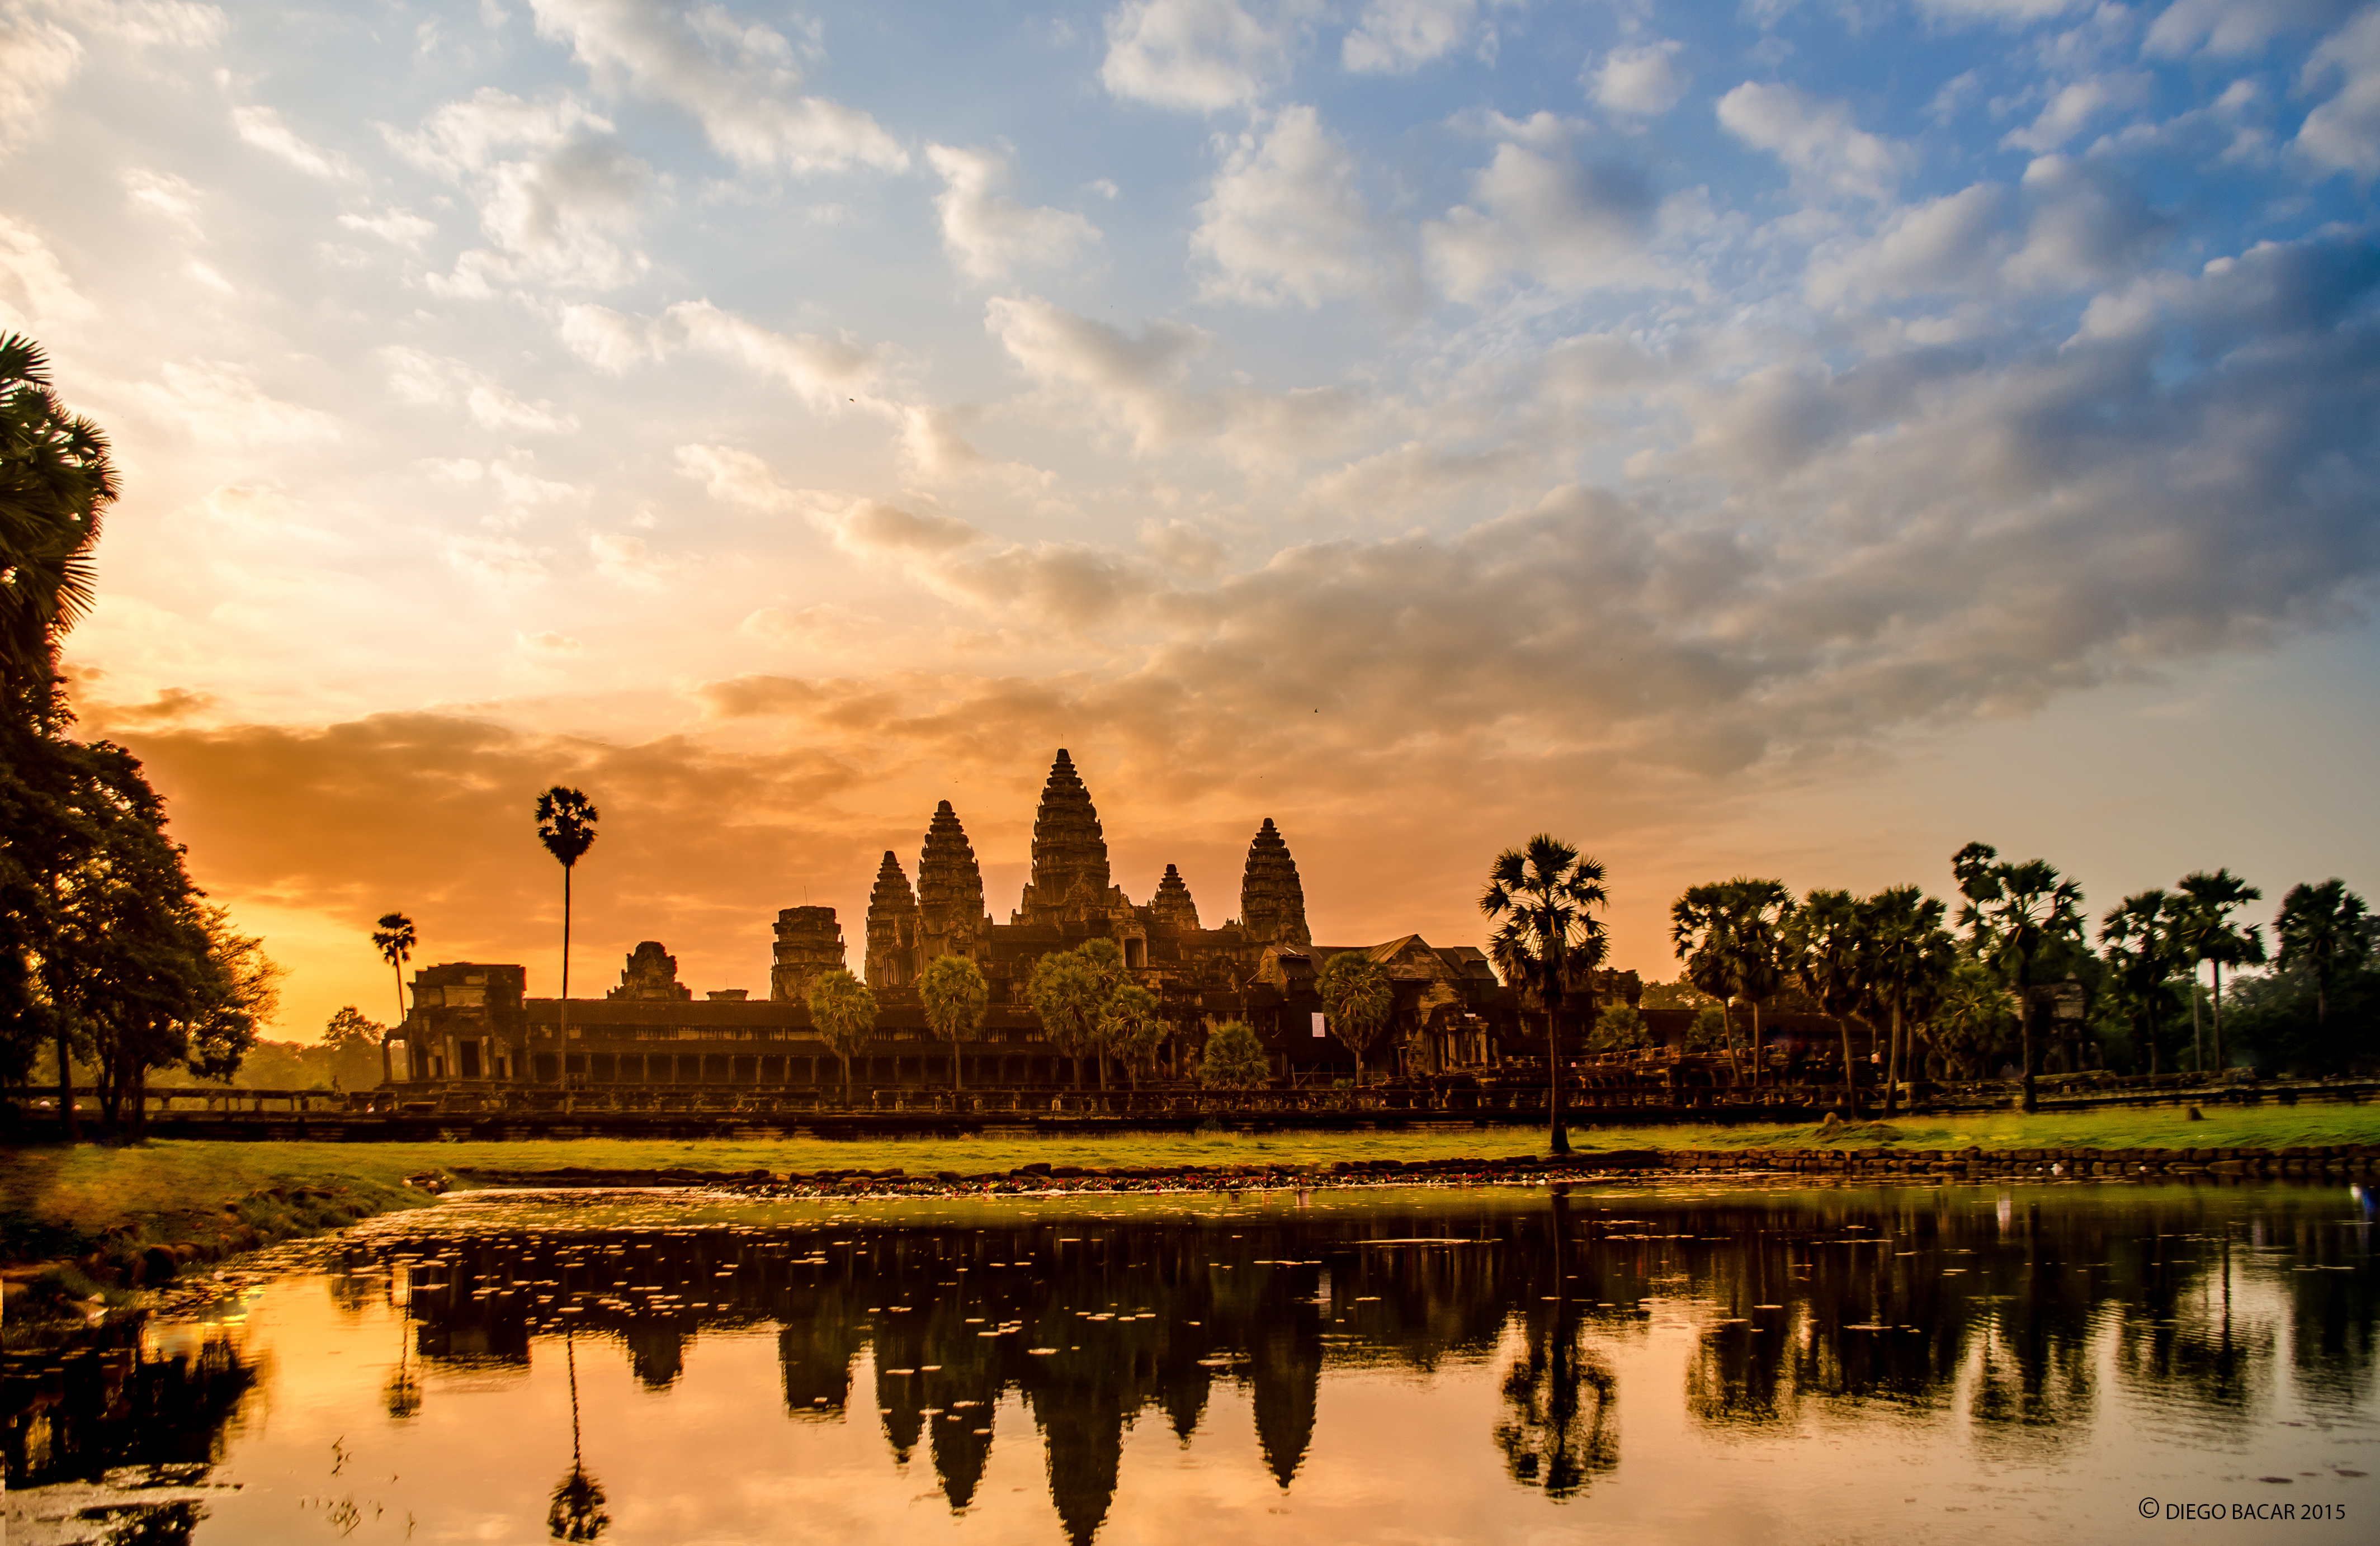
[[1705, 1364]]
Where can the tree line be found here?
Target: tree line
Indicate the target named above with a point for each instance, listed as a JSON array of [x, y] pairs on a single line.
[[112, 961]]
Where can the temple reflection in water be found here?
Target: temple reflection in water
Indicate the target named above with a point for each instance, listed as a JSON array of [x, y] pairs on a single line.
[[2004, 1316]]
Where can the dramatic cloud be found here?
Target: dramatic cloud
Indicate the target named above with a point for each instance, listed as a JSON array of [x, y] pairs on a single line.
[[1424, 421]]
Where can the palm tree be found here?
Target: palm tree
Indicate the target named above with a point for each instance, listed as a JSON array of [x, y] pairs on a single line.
[[2141, 939], [1545, 894], [394, 940], [1700, 921], [578, 1514], [565, 824], [956, 996], [55, 482], [2021, 919], [1357, 999], [2317, 925], [2212, 938], [1827, 940], [1908, 960], [843, 1013]]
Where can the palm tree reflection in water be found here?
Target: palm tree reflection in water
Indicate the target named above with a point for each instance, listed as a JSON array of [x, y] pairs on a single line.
[[1560, 1426], [578, 1512]]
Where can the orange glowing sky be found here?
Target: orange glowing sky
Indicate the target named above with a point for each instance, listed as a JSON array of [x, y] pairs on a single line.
[[1738, 442]]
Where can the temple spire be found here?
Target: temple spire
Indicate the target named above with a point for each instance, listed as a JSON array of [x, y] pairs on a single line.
[[950, 887], [1272, 901], [1070, 850], [892, 927]]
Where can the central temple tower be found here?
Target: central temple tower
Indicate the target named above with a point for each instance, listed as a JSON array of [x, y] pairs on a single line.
[[1070, 851]]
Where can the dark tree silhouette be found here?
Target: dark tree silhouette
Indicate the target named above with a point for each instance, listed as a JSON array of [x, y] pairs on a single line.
[[565, 824], [1545, 895]]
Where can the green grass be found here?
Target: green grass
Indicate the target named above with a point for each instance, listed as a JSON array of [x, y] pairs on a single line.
[[171, 1191]]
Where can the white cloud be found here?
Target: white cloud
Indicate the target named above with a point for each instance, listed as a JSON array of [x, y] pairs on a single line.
[[554, 185], [216, 403], [2005, 12], [1397, 37], [1134, 379], [162, 194], [2089, 224], [2235, 27], [1642, 81], [151, 23], [625, 561], [2343, 132], [2073, 106], [823, 370], [735, 76], [987, 233], [605, 338], [735, 476], [397, 227], [1817, 140], [34, 289], [37, 58], [1953, 243], [1201, 55], [1537, 213], [1285, 219], [425, 379], [264, 127]]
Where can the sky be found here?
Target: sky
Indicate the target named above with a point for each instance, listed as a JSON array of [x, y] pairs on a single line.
[[1792, 439]]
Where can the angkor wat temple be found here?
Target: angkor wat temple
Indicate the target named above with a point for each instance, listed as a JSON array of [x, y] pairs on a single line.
[[474, 1021]]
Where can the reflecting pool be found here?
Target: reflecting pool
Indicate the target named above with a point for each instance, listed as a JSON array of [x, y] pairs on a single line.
[[1708, 1364]]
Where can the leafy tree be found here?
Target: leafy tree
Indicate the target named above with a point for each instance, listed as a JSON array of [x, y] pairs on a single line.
[[2207, 930], [1104, 958], [844, 1013], [565, 824], [1972, 1021], [2025, 922], [1233, 1058], [956, 996], [2321, 928], [1357, 999], [354, 1045], [2141, 939], [1068, 993], [1545, 895], [56, 481], [1828, 940], [1620, 1028], [1680, 995], [1709, 1030], [1907, 957], [1131, 1027]]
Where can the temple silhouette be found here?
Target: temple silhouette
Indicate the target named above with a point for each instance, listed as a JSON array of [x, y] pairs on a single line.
[[474, 1023]]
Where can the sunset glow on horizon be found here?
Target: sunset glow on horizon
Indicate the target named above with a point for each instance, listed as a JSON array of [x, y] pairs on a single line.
[[1790, 439]]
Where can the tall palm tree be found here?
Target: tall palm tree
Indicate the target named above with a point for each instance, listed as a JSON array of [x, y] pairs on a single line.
[[2212, 936], [56, 481], [2141, 939], [394, 940], [1700, 924], [1827, 941], [1545, 894], [565, 824], [2317, 926], [2021, 920], [1908, 960]]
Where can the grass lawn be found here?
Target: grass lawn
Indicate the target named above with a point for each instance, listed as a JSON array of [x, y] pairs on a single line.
[[178, 1189]]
